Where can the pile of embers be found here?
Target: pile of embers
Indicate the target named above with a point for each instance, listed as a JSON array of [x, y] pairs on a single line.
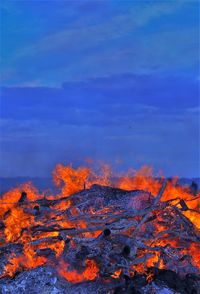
[[99, 240]]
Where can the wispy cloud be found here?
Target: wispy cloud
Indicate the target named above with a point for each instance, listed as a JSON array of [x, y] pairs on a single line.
[[118, 43], [91, 35]]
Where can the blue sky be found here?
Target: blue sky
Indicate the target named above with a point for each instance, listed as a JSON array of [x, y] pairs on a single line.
[[112, 80]]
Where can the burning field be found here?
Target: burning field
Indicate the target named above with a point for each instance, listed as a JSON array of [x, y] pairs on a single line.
[[133, 234]]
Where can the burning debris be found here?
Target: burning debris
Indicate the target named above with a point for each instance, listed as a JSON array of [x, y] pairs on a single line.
[[140, 236]]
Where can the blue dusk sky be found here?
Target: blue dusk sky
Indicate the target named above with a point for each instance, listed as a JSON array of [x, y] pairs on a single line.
[[111, 80]]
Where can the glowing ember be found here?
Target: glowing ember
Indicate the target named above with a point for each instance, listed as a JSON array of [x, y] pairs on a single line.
[[89, 274]]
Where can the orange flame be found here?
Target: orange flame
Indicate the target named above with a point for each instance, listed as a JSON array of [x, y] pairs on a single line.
[[90, 273]]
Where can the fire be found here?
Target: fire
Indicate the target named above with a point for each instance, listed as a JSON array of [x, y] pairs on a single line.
[[89, 273], [193, 216], [15, 222], [73, 179], [14, 195], [117, 273], [195, 253], [155, 260], [26, 261], [140, 180], [42, 222]]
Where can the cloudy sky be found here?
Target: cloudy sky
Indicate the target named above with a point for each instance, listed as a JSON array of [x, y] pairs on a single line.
[[110, 80]]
